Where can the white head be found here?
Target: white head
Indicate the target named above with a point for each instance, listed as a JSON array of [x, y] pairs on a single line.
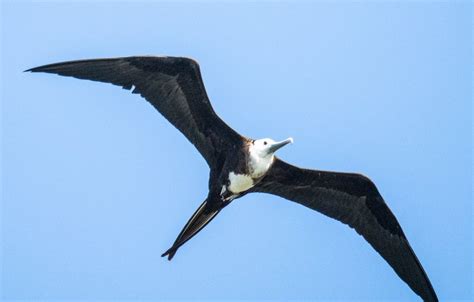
[[266, 147]]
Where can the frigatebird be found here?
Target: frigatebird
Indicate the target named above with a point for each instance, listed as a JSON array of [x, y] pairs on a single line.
[[240, 165]]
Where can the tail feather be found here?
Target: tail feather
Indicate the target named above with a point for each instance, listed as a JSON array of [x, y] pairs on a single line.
[[203, 215]]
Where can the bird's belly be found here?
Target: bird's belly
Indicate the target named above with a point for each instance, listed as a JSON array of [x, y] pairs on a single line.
[[239, 182]]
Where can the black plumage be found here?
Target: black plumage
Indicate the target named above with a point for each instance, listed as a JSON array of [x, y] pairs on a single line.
[[354, 200], [173, 85]]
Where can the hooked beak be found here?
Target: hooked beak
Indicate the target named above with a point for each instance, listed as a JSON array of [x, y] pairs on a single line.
[[273, 148]]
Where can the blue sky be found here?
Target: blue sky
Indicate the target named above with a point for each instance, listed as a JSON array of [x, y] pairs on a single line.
[[96, 184]]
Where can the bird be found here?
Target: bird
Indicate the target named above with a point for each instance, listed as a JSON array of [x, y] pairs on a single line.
[[240, 165]]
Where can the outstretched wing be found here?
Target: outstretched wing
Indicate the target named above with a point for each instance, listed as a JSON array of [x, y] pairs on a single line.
[[354, 200], [173, 85]]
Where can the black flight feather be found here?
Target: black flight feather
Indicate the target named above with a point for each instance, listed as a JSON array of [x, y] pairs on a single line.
[[173, 85], [354, 200]]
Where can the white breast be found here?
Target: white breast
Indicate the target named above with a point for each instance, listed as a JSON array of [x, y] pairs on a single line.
[[239, 182]]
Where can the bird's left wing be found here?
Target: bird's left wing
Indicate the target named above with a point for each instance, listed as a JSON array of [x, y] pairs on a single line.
[[354, 200], [173, 85]]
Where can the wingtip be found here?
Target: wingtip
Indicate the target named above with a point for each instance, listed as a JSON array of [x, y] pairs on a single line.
[[34, 69]]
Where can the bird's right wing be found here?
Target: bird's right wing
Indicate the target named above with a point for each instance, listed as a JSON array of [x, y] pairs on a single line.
[[354, 200], [173, 85]]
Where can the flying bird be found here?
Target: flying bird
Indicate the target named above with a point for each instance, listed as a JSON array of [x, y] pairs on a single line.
[[240, 165]]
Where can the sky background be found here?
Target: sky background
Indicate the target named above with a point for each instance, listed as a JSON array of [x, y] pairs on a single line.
[[96, 184]]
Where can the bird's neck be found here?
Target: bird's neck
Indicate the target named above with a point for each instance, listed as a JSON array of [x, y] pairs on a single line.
[[258, 165], [248, 171]]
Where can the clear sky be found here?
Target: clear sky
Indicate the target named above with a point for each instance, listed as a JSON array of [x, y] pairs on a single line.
[[96, 184]]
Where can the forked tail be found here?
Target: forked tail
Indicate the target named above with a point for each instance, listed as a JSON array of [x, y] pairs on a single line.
[[203, 215]]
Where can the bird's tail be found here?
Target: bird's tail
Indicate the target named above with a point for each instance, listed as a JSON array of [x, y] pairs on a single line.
[[203, 215]]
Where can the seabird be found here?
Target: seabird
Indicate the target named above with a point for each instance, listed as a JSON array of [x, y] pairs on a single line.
[[240, 165]]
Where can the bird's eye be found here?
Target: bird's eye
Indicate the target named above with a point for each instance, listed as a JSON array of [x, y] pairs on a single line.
[[264, 143]]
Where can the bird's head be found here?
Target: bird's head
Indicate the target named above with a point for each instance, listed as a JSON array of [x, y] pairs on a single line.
[[265, 147]]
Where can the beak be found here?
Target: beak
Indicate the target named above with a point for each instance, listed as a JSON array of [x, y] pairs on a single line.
[[278, 145]]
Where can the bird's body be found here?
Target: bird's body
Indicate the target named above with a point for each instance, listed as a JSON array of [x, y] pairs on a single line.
[[240, 165], [247, 166]]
